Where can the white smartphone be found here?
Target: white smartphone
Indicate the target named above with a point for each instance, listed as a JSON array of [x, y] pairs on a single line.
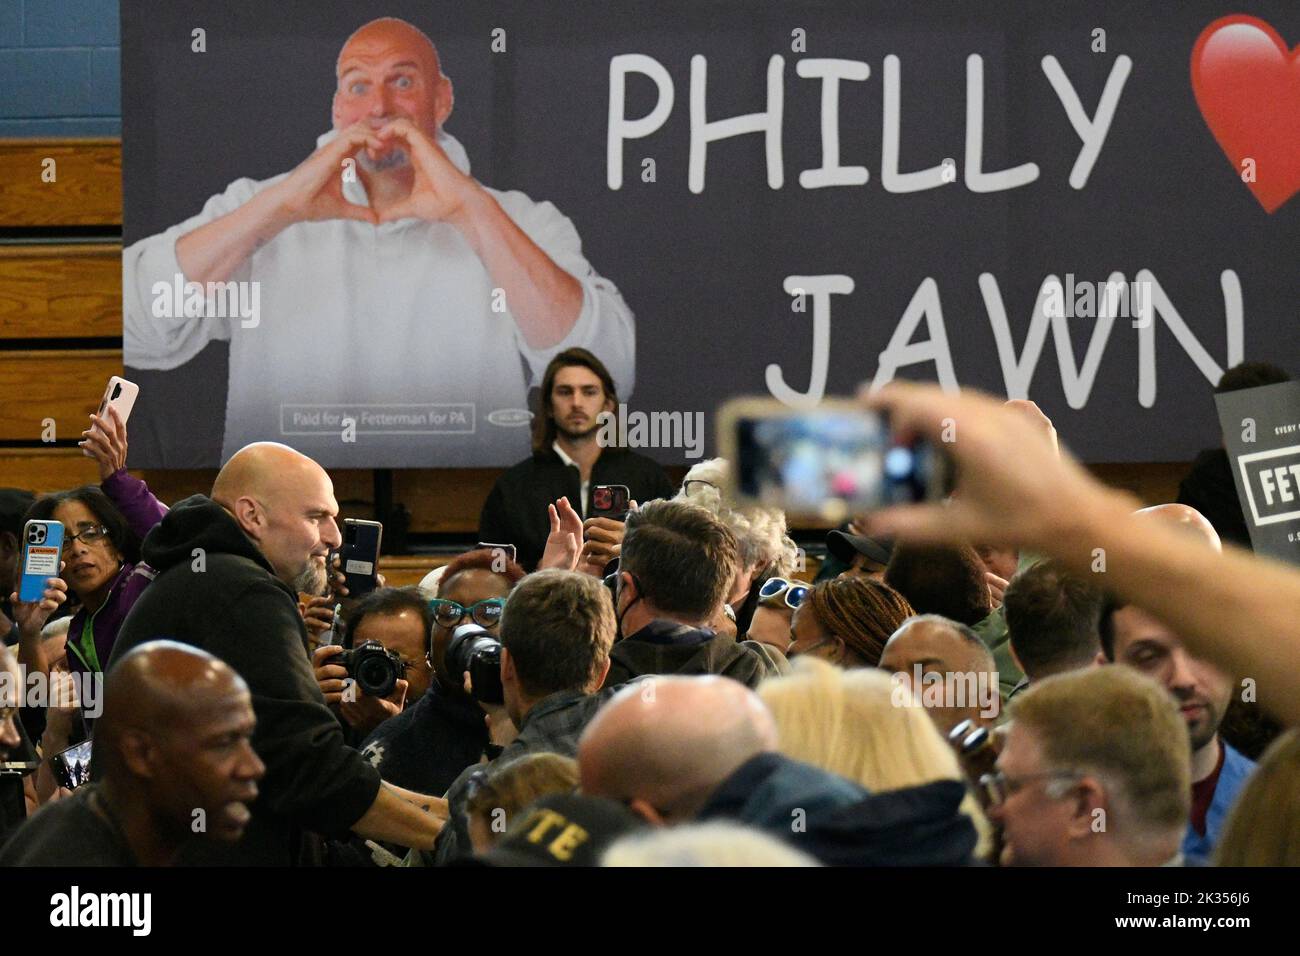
[[121, 395]]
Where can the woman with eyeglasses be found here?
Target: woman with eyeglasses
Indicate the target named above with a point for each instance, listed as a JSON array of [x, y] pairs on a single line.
[[103, 528], [427, 745], [847, 621]]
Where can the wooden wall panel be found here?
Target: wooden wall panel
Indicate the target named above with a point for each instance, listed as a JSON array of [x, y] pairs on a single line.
[[87, 186], [65, 385], [61, 291]]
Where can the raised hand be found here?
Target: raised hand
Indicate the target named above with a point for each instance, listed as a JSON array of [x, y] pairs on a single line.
[[105, 441], [1013, 485], [564, 542], [365, 713], [32, 615]]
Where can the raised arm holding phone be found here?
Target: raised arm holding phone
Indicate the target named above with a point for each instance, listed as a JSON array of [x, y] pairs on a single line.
[[1233, 609]]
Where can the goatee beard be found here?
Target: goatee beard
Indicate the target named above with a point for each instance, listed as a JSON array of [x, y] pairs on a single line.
[[311, 580], [397, 158]]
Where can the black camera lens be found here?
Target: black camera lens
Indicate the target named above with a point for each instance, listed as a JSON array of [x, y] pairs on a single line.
[[374, 668], [475, 650]]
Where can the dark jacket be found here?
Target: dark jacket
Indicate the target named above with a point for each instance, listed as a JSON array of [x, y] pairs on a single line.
[[1210, 489], [234, 607], [553, 725], [68, 833], [666, 647], [426, 746], [515, 510], [839, 823]]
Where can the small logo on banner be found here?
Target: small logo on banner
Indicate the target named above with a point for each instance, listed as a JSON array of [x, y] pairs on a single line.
[[510, 417]]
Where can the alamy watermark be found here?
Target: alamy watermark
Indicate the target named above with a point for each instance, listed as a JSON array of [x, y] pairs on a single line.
[[1084, 300], [37, 690], [638, 429], [934, 690], [214, 300]]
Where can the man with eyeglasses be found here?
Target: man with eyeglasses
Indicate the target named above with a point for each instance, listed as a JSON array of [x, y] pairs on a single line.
[[400, 621], [1095, 771]]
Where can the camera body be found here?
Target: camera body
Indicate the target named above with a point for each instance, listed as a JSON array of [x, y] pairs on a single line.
[[473, 649], [374, 668]]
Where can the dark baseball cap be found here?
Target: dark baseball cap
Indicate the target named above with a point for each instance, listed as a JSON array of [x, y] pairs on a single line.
[[844, 546], [563, 829], [14, 503]]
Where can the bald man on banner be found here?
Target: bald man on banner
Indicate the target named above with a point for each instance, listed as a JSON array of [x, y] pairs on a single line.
[[377, 283]]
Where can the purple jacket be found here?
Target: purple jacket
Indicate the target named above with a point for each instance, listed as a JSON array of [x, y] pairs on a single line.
[[142, 511]]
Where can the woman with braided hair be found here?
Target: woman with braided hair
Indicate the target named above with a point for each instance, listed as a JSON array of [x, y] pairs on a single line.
[[847, 621]]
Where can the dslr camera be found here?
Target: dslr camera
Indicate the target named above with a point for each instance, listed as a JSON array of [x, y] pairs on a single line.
[[475, 650], [374, 667]]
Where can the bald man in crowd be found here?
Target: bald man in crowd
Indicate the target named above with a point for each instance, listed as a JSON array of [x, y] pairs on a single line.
[[675, 749], [1202, 691], [951, 670], [385, 274], [177, 767], [229, 569]]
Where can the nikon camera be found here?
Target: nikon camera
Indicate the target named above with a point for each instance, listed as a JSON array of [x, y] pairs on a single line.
[[372, 666]]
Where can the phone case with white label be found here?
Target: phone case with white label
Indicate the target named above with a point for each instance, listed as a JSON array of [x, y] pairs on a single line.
[[42, 551]]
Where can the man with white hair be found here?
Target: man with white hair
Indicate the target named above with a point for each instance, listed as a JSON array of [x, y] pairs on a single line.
[[388, 284]]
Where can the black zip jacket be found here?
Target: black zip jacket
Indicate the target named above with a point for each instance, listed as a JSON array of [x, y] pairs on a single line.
[[232, 606], [515, 510]]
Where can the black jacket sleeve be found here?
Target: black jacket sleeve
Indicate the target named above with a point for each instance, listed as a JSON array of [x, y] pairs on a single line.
[[312, 776], [494, 519]]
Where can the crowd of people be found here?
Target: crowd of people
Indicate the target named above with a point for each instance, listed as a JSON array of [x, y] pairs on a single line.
[[963, 683]]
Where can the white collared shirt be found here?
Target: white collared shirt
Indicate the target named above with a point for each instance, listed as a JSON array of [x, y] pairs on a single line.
[[358, 317], [585, 486]]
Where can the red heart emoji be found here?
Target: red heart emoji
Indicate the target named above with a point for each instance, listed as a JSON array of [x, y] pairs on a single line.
[[1247, 84]]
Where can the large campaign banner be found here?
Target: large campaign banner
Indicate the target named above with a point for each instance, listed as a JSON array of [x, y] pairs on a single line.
[[364, 227]]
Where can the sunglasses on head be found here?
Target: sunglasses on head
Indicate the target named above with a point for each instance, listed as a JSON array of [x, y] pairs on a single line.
[[778, 591]]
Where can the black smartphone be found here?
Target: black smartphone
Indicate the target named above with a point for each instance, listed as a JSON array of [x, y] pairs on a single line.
[[72, 766], [359, 555], [610, 501], [507, 549], [826, 464]]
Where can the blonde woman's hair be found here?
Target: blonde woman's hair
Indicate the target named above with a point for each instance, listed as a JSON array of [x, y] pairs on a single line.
[[863, 725], [1263, 827], [704, 844]]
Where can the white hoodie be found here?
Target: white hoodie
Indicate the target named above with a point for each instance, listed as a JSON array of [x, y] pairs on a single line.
[[354, 317]]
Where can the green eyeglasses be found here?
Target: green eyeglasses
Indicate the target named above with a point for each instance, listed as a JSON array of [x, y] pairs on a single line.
[[484, 613]]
